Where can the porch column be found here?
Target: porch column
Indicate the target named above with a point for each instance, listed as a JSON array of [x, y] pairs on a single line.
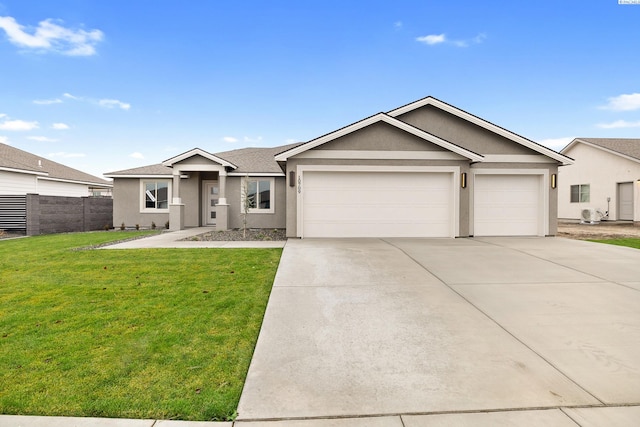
[[222, 208], [176, 208]]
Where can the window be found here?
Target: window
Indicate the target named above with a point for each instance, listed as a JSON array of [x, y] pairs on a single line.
[[580, 193], [258, 193], [155, 195]]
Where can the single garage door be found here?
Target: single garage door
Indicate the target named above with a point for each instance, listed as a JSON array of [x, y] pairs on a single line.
[[377, 204], [507, 205]]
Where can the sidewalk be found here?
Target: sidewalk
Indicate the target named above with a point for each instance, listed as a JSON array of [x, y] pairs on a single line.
[[174, 239]]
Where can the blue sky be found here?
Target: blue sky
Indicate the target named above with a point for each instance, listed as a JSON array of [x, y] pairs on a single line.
[[108, 85]]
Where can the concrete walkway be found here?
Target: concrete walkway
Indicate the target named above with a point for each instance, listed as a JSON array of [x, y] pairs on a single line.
[[492, 331], [174, 239]]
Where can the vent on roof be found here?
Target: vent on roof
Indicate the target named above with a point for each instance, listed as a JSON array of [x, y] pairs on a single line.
[[39, 163]]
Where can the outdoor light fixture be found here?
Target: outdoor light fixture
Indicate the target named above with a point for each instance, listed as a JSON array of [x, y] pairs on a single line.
[[292, 178], [554, 180], [463, 180]]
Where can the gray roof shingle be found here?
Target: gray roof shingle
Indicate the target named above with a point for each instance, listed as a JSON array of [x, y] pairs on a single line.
[[248, 160], [627, 146], [14, 158]]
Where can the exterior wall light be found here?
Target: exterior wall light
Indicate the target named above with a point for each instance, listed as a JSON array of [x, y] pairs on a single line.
[[463, 180], [292, 178], [554, 180]]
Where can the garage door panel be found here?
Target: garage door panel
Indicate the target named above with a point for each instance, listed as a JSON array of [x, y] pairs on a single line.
[[377, 204], [507, 205]]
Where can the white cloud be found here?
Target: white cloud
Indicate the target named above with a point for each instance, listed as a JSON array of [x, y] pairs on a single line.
[[41, 139], [397, 25], [51, 37], [4, 139], [230, 139], [60, 126], [2, 115], [113, 103], [556, 143], [432, 39], [18, 125], [253, 140], [47, 101], [619, 124], [66, 155], [136, 155], [624, 102], [68, 95]]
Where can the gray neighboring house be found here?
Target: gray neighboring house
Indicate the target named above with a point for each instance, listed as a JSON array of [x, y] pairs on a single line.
[[605, 177], [24, 173], [427, 169]]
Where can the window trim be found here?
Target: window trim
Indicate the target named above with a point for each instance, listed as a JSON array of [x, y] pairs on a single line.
[[581, 193], [143, 186], [272, 194]]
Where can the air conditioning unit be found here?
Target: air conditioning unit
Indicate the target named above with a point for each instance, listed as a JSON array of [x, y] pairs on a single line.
[[592, 216]]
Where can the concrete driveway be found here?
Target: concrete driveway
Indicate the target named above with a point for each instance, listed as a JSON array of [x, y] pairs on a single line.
[[430, 332]]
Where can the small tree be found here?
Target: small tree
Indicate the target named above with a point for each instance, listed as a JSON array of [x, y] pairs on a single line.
[[248, 202]]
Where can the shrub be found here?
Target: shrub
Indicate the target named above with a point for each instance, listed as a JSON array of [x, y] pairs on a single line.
[[153, 225], [166, 225], [122, 226], [137, 226]]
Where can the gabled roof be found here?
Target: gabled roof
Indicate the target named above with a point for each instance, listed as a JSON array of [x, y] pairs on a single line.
[[255, 160], [625, 147], [195, 152], [16, 160], [380, 117], [429, 100]]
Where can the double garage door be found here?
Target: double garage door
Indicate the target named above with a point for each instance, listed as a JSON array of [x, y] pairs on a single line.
[[414, 204]]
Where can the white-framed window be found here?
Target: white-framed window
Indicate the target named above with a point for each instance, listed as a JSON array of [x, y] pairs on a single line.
[[580, 193], [155, 195], [259, 194]]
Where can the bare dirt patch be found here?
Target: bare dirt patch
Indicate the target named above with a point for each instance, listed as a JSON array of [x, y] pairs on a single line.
[[601, 231]]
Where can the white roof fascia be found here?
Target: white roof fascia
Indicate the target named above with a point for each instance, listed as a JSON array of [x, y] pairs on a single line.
[[482, 123], [71, 181], [25, 171], [139, 176], [255, 174], [375, 119], [198, 151], [608, 150]]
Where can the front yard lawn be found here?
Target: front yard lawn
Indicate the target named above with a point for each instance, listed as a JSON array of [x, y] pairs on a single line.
[[149, 333], [630, 242]]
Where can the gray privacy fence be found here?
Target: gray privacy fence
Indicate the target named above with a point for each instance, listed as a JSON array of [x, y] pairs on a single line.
[[34, 214]]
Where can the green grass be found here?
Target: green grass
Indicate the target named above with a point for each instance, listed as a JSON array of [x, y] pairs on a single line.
[[632, 243], [149, 333]]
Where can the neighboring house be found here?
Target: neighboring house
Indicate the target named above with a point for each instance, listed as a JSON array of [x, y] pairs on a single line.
[[605, 176], [24, 173], [426, 169]]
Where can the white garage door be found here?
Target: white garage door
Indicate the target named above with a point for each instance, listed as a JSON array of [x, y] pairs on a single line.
[[377, 204], [507, 205]]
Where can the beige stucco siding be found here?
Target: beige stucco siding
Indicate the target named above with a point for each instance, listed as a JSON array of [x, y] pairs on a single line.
[[276, 219], [460, 132], [603, 171], [380, 137], [126, 205]]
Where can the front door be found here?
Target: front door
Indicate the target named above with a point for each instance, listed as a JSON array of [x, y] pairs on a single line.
[[625, 201], [211, 195]]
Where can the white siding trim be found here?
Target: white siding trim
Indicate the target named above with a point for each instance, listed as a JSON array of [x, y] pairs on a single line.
[[380, 155], [517, 158]]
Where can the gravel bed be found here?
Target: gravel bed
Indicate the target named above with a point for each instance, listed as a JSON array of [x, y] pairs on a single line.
[[603, 230], [263, 234]]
